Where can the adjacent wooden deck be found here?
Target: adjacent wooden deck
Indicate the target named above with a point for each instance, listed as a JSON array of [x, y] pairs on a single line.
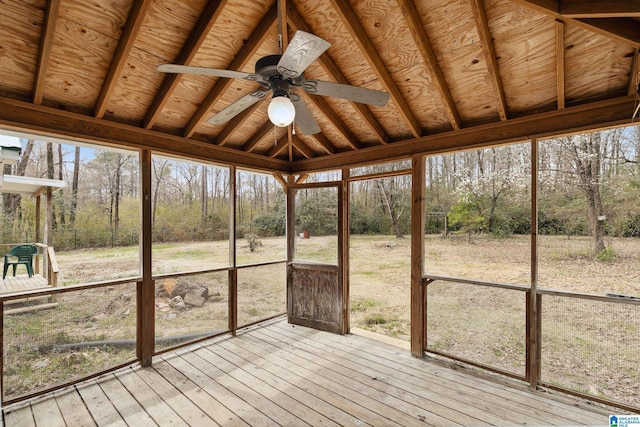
[[280, 374], [22, 282]]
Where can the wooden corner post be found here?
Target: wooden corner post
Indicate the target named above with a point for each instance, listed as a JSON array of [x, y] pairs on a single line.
[[233, 272], [145, 289], [533, 318], [418, 291]]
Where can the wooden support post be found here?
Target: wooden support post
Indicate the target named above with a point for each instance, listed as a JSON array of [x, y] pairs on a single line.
[[233, 273], [3, 353], [343, 250], [418, 290], [533, 337], [38, 235], [145, 287], [291, 242], [48, 225]]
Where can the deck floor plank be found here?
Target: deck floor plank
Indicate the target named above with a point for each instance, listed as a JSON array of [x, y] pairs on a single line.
[[125, 403], [227, 397], [21, 416], [47, 413], [376, 412], [291, 388], [391, 385], [382, 403], [173, 396], [472, 401], [277, 405], [280, 374], [223, 406], [249, 374], [73, 409], [147, 397], [516, 399]]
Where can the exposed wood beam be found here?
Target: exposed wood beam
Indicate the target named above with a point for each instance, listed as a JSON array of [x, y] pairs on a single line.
[[254, 42], [47, 121], [225, 134], [46, 43], [290, 143], [302, 178], [134, 23], [302, 147], [597, 115], [560, 64], [279, 147], [257, 137], [281, 179], [324, 143], [335, 120], [599, 8], [489, 51], [297, 23], [199, 34], [351, 21], [283, 42], [430, 60], [634, 77], [624, 29]]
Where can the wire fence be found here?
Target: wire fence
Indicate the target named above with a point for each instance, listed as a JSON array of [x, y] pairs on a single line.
[[84, 238], [591, 346], [479, 324]]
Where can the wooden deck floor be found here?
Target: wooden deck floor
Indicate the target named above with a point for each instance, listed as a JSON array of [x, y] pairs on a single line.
[[22, 282], [279, 374]]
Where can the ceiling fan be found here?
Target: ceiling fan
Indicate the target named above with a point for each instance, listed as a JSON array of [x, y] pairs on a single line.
[[282, 75]]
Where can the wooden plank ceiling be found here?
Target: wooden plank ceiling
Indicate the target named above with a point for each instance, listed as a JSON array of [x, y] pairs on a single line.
[[459, 73]]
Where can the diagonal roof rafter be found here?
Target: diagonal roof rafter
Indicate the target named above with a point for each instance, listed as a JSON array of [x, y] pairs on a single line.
[[258, 36], [329, 66], [425, 49], [198, 35], [599, 9], [131, 30], [351, 21], [46, 43], [321, 104], [489, 51], [623, 29], [560, 64]]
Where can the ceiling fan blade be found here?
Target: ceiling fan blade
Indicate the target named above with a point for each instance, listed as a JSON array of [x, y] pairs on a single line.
[[304, 119], [348, 92], [303, 49], [205, 71], [237, 107]]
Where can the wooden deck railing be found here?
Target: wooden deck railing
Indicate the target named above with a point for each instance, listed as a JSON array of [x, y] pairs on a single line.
[[577, 318], [73, 301], [46, 257]]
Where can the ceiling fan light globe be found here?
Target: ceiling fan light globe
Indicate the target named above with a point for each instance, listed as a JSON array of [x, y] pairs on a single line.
[[281, 111]]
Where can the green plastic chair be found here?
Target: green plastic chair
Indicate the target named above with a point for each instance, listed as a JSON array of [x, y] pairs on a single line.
[[21, 254]]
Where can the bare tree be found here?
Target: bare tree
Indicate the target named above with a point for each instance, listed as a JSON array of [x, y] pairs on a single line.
[[12, 202], [74, 186]]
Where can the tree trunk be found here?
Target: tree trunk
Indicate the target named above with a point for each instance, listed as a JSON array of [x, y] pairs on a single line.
[[60, 195], [12, 202], [74, 186], [588, 156], [203, 195], [50, 175], [116, 196]]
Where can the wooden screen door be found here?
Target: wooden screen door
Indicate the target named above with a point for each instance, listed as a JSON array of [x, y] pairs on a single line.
[[317, 288]]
